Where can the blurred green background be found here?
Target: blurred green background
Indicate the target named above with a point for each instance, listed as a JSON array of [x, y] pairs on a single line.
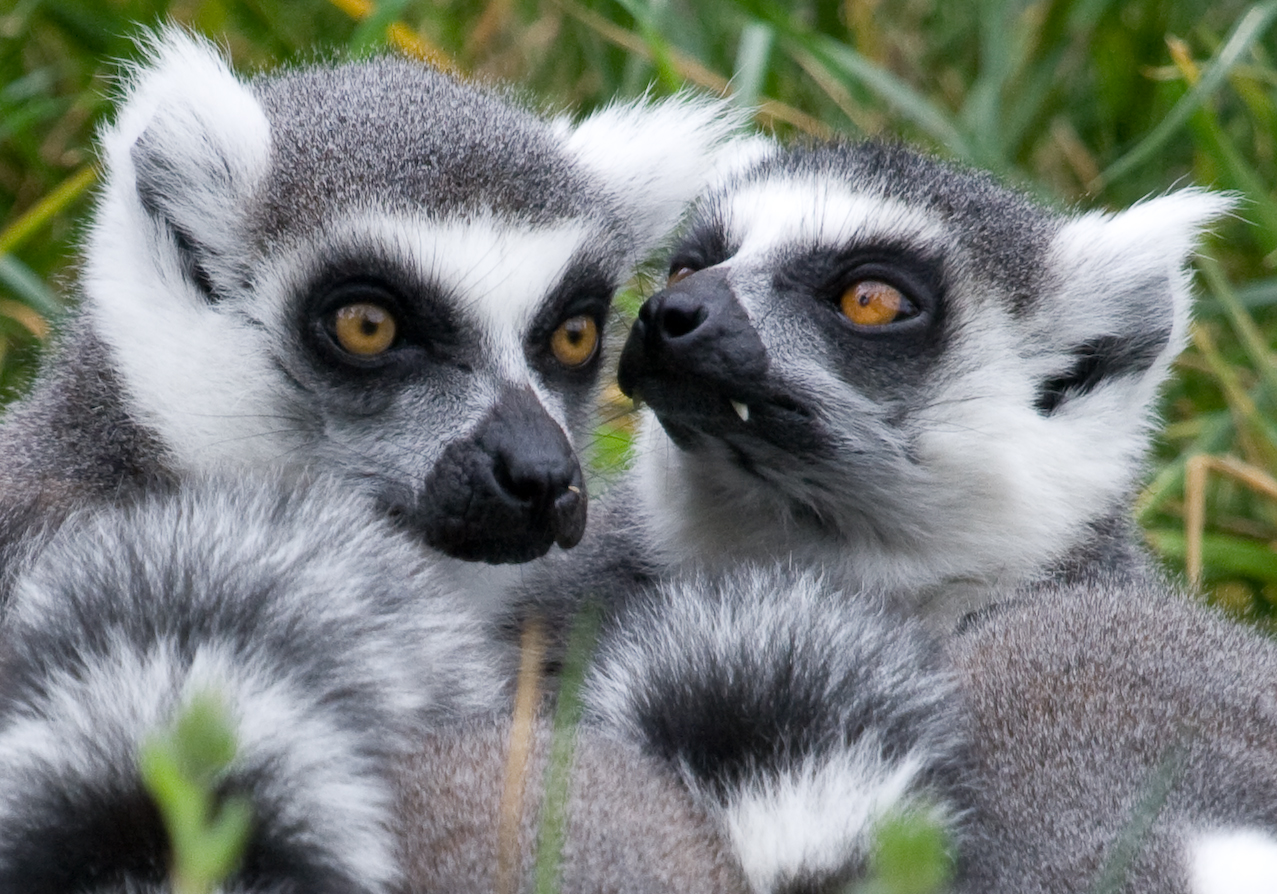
[[1092, 103]]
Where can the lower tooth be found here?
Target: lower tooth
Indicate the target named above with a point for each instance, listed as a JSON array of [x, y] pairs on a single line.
[[741, 410]]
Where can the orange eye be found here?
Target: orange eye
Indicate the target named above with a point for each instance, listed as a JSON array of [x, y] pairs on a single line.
[[678, 275], [364, 329], [874, 303], [575, 342]]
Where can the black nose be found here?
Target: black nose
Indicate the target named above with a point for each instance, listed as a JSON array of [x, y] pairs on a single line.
[[509, 491], [675, 315], [695, 328]]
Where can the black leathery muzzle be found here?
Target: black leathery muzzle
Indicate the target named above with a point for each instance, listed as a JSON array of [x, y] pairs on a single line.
[[508, 491], [695, 328]]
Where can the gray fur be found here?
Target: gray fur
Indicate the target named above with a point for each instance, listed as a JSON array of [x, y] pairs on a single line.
[[631, 828], [399, 120], [327, 637], [1086, 701]]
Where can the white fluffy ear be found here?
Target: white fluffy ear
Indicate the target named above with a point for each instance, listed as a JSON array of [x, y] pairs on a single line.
[[1126, 273], [191, 143], [1120, 304], [655, 157]]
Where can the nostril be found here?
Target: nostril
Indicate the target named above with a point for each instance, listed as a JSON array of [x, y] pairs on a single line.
[[679, 321], [538, 486], [523, 484]]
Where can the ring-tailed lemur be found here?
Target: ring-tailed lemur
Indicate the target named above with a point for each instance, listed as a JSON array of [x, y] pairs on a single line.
[[325, 634], [899, 371], [371, 269], [893, 370], [369, 272]]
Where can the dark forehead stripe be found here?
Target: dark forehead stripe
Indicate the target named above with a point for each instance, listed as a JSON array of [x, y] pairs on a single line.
[[404, 137], [1006, 234]]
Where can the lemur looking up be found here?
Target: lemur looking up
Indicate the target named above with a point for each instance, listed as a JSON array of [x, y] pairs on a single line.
[[897, 370], [369, 269], [934, 391]]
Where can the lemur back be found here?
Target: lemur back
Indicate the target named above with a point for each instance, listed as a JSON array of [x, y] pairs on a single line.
[[372, 270], [1125, 737]]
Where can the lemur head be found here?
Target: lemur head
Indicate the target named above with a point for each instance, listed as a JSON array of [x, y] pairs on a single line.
[[380, 271], [873, 358]]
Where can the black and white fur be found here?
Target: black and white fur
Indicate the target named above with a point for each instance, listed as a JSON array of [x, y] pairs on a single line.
[[325, 634], [236, 215], [980, 456], [799, 715]]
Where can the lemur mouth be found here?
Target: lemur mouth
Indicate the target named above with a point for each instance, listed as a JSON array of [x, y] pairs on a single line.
[[691, 407], [506, 493]]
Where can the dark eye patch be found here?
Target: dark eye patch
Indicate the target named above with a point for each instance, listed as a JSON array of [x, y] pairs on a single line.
[[705, 245], [428, 329], [584, 291]]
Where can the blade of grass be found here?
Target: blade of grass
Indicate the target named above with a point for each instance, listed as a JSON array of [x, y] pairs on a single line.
[[753, 54], [906, 101], [658, 48], [1213, 139], [1224, 555], [769, 110], [1215, 437], [1112, 875], [43, 211], [522, 741], [558, 770], [1255, 433], [1250, 28], [31, 290], [1259, 294], [1257, 346]]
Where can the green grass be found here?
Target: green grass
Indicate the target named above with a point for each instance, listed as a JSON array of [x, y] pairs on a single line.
[[1092, 103]]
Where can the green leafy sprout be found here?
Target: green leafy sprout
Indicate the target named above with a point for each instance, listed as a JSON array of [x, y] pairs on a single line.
[[182, 766]]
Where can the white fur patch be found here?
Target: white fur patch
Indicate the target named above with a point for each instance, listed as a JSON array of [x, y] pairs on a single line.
[[499, 273], [655, 157], [201, 377], [819, 819], [1144, 248], [802, 211], [1240, 861]]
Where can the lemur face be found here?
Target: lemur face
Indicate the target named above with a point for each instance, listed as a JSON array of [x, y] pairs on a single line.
[[865, 350], [376, 270]]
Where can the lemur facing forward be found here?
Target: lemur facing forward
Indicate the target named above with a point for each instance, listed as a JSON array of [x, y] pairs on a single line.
[[366, 280], [370, 269], [938, 393]]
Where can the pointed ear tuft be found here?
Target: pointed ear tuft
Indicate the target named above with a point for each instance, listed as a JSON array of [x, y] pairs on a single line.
[[1133, 264], [192, 143], [1126, 274], [655, 157]]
